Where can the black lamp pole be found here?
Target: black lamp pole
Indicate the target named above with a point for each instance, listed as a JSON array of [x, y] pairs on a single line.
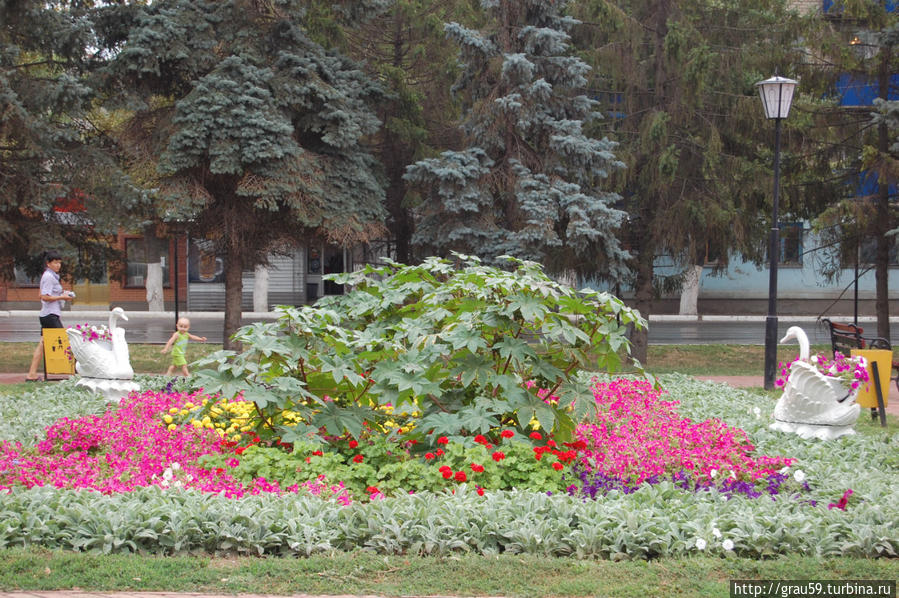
[[777, 95], [773, 254]]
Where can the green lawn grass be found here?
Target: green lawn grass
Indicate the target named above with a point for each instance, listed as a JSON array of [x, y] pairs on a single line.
[[362, 572]]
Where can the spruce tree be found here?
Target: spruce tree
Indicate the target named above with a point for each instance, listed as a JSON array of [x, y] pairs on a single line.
[[529, 182], [253, 129], [60, 186]]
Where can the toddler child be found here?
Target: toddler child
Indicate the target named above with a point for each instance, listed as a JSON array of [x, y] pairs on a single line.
[[178, 344]]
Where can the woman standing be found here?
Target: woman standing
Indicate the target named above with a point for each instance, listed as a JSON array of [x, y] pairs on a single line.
[[52, 298]]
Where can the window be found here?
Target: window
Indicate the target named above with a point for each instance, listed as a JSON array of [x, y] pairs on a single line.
[[136, 263], [23, 280], [867, 252], [791, 243]]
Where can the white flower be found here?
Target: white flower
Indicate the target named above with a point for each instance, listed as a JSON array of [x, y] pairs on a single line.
[[713, 473], [700, 544], [167, 474], [784, 470], [799, 475], [727, 544], [716, 532], [757, 411], [176, 466]]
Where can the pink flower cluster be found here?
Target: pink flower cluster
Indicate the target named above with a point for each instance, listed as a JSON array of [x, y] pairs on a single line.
[[92, 333], [852, 371], [635, 435], [131, 447]]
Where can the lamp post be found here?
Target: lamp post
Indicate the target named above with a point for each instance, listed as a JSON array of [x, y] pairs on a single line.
[[777, 95]]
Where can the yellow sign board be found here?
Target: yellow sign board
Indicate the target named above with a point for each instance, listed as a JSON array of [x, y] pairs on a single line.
[[867, 397], [56, 352]]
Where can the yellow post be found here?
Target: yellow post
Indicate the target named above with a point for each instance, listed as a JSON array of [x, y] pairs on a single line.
[[56, 352], [867, 397]]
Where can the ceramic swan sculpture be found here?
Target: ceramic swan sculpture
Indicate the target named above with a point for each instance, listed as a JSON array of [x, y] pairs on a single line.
[[813, 405], [102, 358]]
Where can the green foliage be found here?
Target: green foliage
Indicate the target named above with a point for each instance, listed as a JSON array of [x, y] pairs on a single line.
[[52, 152], [395, 468], [444, 348]]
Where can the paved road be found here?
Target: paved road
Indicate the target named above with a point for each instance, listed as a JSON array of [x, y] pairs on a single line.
[[157, 327]]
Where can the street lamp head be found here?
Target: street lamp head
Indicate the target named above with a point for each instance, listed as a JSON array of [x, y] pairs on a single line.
[[777, 95]]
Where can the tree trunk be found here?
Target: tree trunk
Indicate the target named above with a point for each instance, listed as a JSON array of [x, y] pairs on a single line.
[[642, 301], [689, 295], [260, 289], [153, 282], [233, 294]]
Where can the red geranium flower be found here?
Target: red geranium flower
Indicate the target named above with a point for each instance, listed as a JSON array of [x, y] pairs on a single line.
[[358, 458], [353, 444], [557, 466], [460, 476], [240, 450], [443, 440], [507, 434], [317, 453], [372, 489], [499, 456], [536, 436], [477, 468], [551, 443], [429, 456], [447, 473], [480, 491], [439, 452], [480, 439]]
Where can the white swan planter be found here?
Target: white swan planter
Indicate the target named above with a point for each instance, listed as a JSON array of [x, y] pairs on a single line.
[[813, 405], [104, 366]]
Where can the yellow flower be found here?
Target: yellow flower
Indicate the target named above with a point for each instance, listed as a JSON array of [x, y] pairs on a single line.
[[172, 426], [184, 412], [188, 405], [167, 418], [174, 410], [196, 423]]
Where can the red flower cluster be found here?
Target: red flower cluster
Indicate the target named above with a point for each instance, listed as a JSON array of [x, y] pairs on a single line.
[[841, 504]]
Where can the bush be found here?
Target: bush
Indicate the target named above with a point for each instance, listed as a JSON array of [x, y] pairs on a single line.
[[429, 350]]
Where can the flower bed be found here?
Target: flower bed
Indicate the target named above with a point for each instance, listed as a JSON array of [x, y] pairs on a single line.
[[628, 519]]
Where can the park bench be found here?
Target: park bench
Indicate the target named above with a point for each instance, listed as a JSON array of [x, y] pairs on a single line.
[[845, 337]]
